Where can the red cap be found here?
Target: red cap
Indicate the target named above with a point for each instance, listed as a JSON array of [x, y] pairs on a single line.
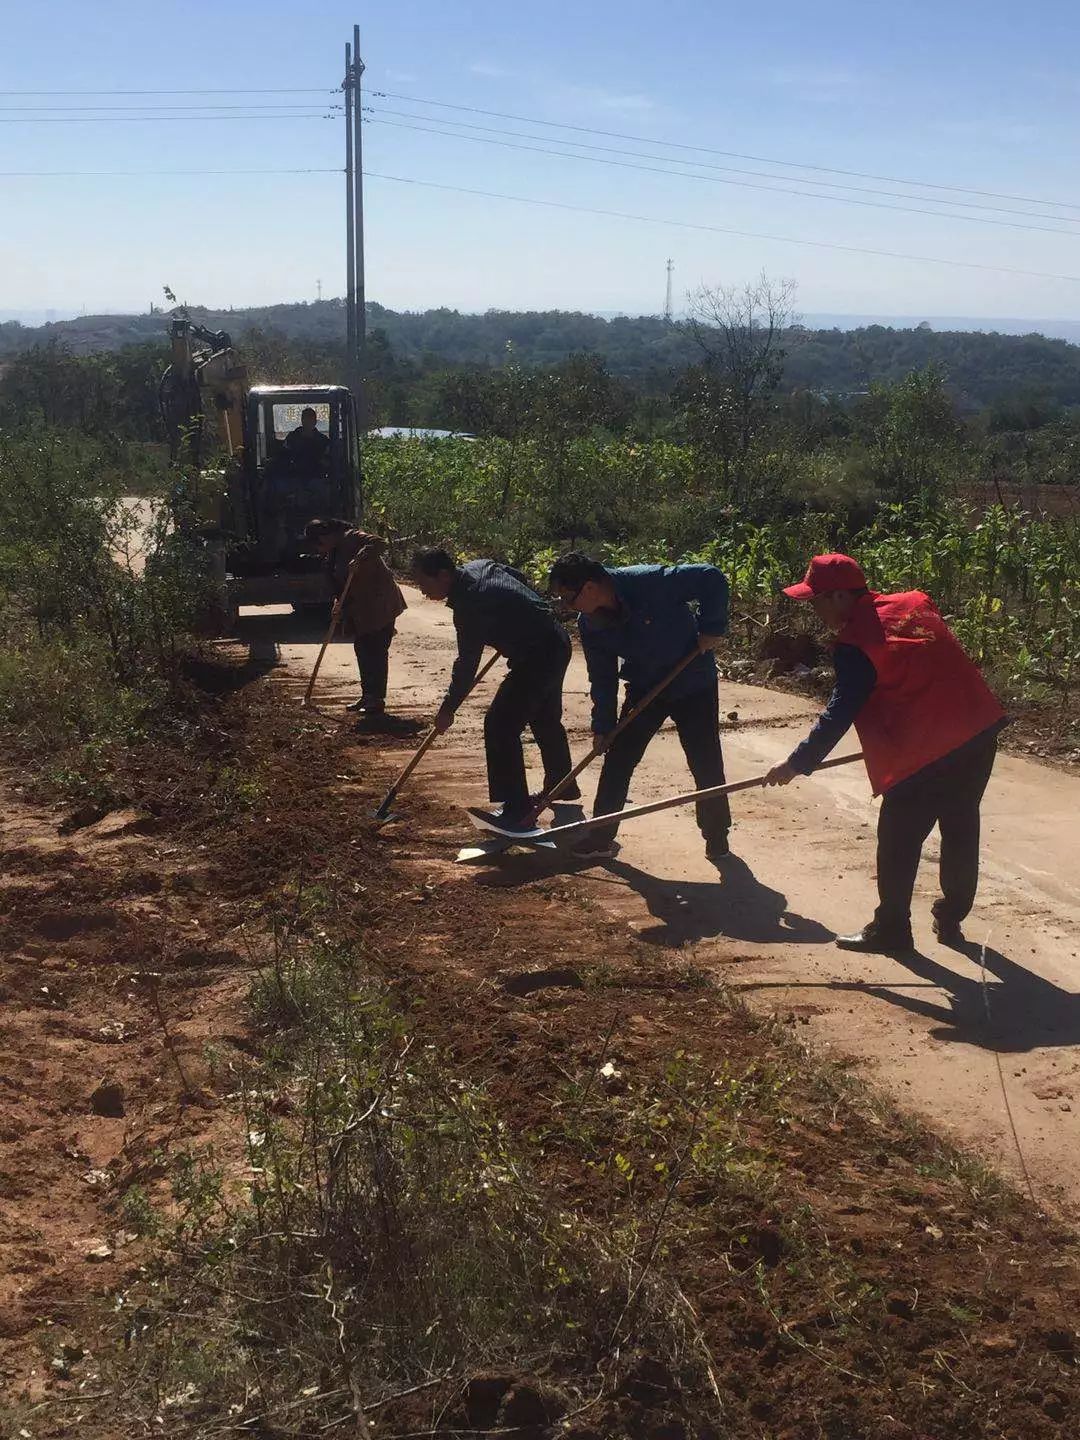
[[825, 573]]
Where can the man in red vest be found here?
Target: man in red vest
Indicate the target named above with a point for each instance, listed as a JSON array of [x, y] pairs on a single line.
[[928, 726]]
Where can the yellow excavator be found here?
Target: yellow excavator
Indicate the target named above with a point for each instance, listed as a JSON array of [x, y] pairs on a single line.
[[259, 462]]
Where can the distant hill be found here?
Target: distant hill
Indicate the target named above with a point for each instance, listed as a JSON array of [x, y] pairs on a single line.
[[981, 366], [1052, 329]]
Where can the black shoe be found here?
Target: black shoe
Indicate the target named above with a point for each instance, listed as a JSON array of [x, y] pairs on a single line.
[[949, 933], [589, 849], [872, 940], [369, 707], [355, 705], [718, 848]]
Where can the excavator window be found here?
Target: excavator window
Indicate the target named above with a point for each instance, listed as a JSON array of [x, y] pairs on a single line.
[[288, 417]]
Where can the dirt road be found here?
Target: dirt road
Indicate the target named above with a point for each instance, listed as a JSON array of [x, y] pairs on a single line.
[[938, 1031]]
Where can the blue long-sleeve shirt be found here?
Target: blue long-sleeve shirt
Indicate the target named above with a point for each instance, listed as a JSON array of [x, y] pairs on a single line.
[[494, 605], [855, 680], [654, 629]]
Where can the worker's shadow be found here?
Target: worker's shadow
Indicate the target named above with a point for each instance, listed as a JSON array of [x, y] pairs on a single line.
[[1010, 1010], [736, 905]]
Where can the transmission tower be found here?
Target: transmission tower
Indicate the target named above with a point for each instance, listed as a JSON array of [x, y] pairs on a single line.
[[667, 297]]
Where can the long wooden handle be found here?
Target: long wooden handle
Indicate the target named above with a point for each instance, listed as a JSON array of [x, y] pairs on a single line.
[[334, 618], [579, 826], [632, 714], [429, 740]]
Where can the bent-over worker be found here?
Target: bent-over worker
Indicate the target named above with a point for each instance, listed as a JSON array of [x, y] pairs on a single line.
[[928, 724], [494, 605], [641, 615], [371, 606]]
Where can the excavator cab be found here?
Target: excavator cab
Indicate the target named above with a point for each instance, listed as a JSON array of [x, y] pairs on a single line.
[[293, 471]]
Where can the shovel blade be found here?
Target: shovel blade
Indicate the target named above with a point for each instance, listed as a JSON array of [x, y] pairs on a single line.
[[482, 850], [495, 847]]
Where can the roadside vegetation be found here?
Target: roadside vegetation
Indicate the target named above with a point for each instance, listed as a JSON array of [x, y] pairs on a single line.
[[97, 604], [385, 1238], [1009, 582]]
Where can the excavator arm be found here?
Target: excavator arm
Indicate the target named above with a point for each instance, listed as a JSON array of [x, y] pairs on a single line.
[[205, 375]]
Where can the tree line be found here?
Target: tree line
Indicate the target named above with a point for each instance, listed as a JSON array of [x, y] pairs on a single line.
[[983, 369], [763, 441]]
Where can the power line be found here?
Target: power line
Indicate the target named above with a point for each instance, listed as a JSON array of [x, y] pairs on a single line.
[[101, 174], [723, 230], [234, 90], [726, 169], [564, 205], [146, 119], [719, 180], [20, 110], [728, 154]]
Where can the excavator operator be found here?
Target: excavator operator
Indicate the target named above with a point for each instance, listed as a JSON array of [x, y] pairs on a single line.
[[307, 447]]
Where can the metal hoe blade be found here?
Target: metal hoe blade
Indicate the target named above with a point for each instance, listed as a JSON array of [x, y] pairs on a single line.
[[484, 850], [383, 815], [496, 846]]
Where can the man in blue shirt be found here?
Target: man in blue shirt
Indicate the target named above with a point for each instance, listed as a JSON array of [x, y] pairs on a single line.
[[641, 615], [494, 605]]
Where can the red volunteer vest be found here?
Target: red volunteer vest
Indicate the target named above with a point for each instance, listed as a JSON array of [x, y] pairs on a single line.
[[929, 698]]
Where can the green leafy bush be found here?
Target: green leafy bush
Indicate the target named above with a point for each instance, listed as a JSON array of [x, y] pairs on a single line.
[[1011, 582], [97, 598]]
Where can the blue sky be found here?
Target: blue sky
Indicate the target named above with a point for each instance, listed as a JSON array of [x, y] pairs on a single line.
[[978, 95]]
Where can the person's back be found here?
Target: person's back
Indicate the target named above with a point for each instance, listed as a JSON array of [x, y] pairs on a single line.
[[496, 602], [929, 727], [929, 699], [374, 599], [656, 626]]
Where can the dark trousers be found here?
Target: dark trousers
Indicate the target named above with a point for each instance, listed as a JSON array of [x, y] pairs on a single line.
[[530, 695], [946, 794], [373, 658], [697, 720]]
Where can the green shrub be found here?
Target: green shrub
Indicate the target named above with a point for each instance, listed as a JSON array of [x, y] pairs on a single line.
[[97, 600]]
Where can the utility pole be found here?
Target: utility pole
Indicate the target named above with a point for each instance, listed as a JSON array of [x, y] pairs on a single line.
[[350, 241], [358, 199], [318, 290], [667, 299]]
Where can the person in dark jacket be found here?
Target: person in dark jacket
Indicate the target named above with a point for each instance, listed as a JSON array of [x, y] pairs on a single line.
[[494, 605], [307, 447], [928, 724], [371, 606], [641, 615]]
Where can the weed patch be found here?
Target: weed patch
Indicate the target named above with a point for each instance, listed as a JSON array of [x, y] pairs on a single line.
[[383, 1235]]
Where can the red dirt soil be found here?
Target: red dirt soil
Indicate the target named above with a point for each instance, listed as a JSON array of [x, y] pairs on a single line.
[[964, 1322]]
